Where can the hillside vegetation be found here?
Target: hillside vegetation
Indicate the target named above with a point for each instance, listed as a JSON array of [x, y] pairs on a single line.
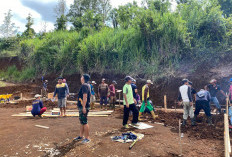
[[148, 40]]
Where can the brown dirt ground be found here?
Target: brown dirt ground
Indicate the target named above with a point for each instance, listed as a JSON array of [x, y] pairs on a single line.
[[19, 137]]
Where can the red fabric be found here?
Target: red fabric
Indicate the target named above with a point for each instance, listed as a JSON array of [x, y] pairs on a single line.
[[230, 90], [43, 110]]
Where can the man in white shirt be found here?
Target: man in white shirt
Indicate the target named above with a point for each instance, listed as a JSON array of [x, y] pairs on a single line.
[[185, 96]]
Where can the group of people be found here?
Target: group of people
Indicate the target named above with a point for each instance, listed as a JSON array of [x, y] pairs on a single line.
[[203, 100]]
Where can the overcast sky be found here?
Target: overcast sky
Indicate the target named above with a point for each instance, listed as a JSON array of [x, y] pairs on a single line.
[[41, 11]]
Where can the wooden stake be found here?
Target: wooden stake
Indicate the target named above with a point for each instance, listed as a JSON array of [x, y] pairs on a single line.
[[165, 103], [226, 136], [21, 96], [40, 126]]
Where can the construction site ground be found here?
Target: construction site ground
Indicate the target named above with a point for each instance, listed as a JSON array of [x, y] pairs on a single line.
[[20, 137]]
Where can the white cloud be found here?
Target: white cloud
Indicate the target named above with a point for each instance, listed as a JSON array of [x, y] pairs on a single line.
[[20, 12]]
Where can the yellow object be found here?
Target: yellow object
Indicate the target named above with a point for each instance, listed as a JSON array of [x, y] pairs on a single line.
[[143, 91], [140, 114], [5, 97], [153, 115]]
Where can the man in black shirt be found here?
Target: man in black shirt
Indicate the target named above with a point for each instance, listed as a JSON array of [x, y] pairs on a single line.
[[213, 88], [193, 91], [83, 106]]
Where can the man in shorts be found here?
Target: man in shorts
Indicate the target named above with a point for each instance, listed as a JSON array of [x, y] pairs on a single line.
[[83, 106], [62, 91], [92, 98]]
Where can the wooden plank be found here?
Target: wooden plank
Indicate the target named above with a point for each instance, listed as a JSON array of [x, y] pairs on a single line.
[[226, 134], [165, 103], [40, 126], [76, 115]]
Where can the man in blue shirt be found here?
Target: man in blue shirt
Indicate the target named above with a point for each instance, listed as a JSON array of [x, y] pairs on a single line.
[[37, 106], [62, 91]]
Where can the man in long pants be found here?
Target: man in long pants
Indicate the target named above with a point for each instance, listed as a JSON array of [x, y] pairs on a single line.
[[186, 96], [129, 103]]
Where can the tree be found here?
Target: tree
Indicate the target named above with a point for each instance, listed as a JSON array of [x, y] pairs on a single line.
[[105, 8], [8, 28], [226, 7], [61, 8], [61, 23], [113, 16], [61, 19], [29, 32]]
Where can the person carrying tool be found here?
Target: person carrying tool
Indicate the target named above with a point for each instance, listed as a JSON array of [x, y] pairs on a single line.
[[213, 88], [129, 103], [112, 94], [83, 106], [92, 98], [103, 90], [62, 91], [37, 106], [186, 97], [145, 100], [203, 102]]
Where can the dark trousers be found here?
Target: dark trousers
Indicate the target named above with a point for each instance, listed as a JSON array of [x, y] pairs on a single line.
[[103, 99], [205, 105], [132, 108]]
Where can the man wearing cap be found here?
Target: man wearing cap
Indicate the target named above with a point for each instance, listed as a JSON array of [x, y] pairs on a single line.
[[83, 106], [37, 106], [129, 103], [134, 89], [92, 98], [145, 100], [213, 88], [203, 102], [112, 94], [103, 90], [62, 91], [186, 97]]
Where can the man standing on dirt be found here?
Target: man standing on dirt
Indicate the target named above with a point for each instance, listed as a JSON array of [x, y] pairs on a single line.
[[145, 100], [83, 106], [92, 98], [213, 88], [45, 89], [193, 91], [186, 96], [62, 91], [203, 102], [129, 103], [103, 90], [134, 89], [112, 94]]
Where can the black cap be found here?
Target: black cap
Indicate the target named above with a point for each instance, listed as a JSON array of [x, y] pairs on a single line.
[[86, 77], [127, 78], [60, 78]]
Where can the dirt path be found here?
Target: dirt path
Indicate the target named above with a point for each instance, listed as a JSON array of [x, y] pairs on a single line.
[[19, 137]]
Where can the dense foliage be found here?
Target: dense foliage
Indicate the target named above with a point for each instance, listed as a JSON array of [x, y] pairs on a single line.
[[148, 40]]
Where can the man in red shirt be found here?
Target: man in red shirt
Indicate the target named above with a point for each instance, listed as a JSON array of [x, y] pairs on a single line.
[[112, 94]]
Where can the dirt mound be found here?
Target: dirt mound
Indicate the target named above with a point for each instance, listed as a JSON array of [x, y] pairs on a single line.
[[201, 131]]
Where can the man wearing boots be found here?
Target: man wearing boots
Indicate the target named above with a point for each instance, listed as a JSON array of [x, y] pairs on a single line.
[[129, 103], [145, 100], [203, 102], [186, 97]]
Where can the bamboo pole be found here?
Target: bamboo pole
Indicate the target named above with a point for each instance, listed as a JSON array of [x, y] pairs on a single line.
[[180, 142], [165, 103], [226, 135]]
